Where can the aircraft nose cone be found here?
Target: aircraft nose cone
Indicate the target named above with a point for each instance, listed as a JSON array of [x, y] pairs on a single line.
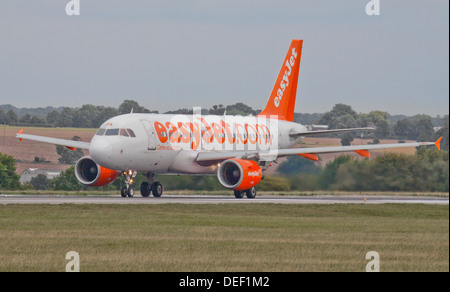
[[100, 150]]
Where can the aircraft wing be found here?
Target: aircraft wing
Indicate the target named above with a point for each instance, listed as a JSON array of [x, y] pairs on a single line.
[[71, 144], [328, 131], [205, 157]]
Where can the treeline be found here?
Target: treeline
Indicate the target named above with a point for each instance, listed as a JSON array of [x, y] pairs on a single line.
[[88, 116], [418, 127], [426, 171]]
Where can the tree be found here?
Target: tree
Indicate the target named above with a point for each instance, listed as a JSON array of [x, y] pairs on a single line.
[[240, 109], [11, 117], [217, 110], [296, 164], [54, 118], [380, 120], [105, 113], [85, 116], [66, 119], [128, 105], [328, 176], [28, 119], [2, 116], [425, 129], [405, 129], [338, 111], [341, 117], [417, 128], [69, 156], [40, 182], [66, 181], [8, 177]]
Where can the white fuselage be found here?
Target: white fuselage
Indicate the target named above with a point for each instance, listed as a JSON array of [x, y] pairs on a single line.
[[160, 143]]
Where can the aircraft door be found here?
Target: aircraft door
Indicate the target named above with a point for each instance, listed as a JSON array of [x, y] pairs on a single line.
[[151, 133]]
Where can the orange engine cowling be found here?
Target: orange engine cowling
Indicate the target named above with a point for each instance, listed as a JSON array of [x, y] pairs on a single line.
[[239, 174], [91, 174]]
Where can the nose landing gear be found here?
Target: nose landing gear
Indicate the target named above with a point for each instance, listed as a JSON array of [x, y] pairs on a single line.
[[127, 190]]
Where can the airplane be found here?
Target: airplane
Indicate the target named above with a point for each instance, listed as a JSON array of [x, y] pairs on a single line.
[[237, 149]]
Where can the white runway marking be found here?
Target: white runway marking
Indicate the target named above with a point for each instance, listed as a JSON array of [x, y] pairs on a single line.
[[204, 199]]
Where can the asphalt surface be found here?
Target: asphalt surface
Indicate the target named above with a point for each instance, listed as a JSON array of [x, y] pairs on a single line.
[[205, 199]]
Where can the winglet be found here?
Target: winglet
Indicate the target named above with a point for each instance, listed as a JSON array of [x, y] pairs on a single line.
[[20, 132], [438, 144]]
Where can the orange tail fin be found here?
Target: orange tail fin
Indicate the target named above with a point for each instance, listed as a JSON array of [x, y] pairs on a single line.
[[282, 99]]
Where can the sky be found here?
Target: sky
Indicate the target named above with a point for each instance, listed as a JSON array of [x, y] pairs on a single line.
[[176, 54]]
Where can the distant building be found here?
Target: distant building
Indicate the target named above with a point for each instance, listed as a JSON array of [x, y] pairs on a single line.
[[29, 173]]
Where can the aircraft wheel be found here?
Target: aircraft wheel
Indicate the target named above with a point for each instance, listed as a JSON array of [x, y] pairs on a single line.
[[238, 194], [251, 193], [123, 192], [146, 189], [157, 189], [130, 192]]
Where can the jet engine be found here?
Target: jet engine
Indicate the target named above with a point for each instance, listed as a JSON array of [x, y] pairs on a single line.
[[239, 174], [91, 174]]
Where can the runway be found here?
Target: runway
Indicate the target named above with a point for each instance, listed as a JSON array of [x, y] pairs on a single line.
[[205, 199]]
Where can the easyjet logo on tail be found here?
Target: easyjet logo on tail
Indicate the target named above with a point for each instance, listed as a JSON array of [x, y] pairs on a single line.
[[285, 80]]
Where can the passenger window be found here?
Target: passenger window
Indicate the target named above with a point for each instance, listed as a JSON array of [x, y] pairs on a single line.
[[100, 132], [123, 132], [131, 133], [112, 132]]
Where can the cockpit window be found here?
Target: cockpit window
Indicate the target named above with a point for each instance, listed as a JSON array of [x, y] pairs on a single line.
[[112, 132], [131, 133], [101, 131], [123, 132], [116, 132]]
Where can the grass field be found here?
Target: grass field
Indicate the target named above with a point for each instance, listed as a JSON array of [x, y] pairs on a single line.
[[253, 237]]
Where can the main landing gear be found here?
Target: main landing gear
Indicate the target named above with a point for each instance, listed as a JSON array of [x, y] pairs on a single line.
[[156, 188], [250, 193], [147, 188]]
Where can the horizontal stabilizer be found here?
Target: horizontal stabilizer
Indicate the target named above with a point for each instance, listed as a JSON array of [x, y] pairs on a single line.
[[328, 131]]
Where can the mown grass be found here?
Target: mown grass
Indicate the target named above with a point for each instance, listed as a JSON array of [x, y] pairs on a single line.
[[254, 237]]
